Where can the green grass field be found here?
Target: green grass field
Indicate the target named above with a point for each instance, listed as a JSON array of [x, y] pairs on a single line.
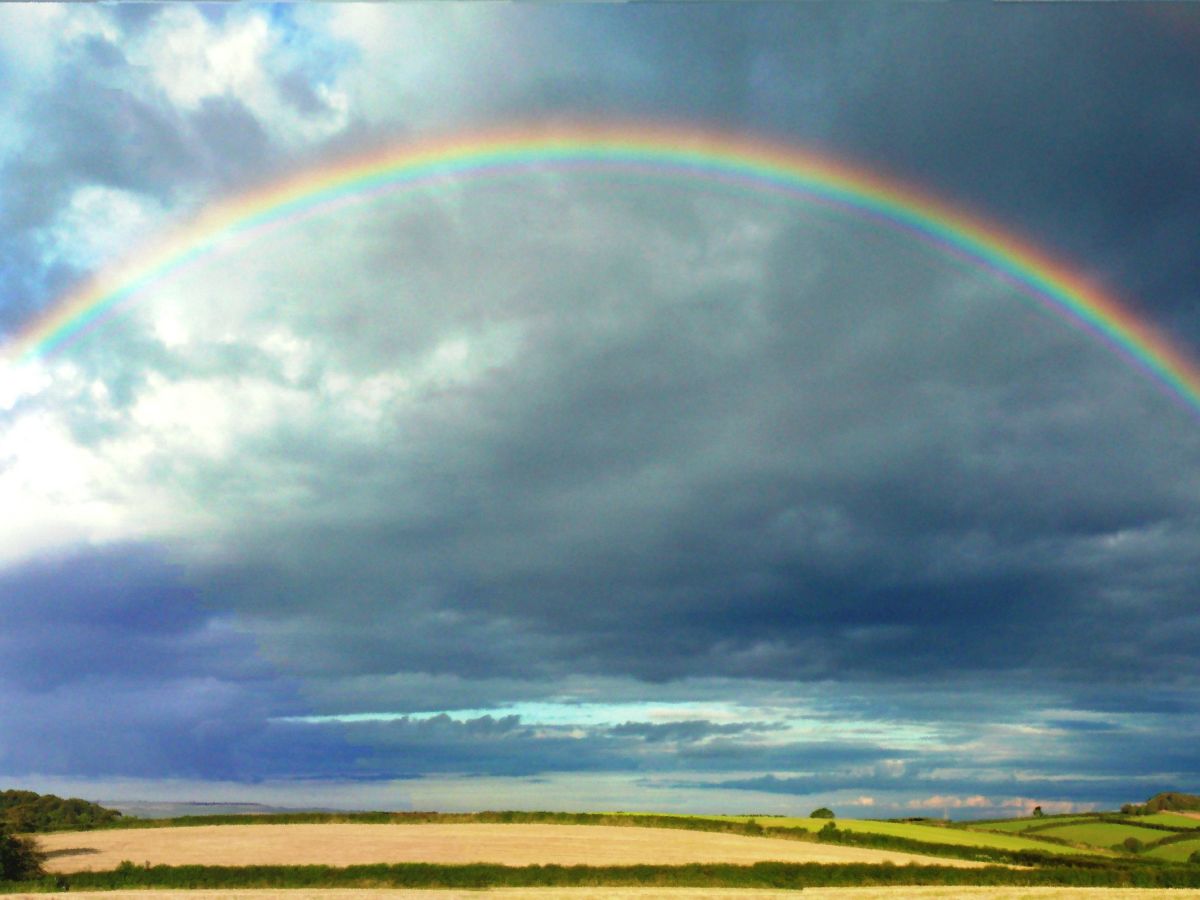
[[1174, 820], [1178, 852], [1019, 825], [1104, 834], [931, 834]]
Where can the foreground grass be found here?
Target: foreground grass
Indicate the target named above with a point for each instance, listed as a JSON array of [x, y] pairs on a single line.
[[758, 875]]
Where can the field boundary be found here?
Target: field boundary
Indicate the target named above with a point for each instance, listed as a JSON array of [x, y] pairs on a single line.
[[481, 875]]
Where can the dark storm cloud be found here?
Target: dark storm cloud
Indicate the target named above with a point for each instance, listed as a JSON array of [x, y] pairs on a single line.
[[480, 746], [770, 486], [115, 611], [1071, 125], [109, 667], [859, 469]]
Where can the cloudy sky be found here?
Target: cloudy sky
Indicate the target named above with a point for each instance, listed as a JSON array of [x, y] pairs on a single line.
[[553, 490]]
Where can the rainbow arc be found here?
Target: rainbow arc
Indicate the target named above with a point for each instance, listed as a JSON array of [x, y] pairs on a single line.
[[640, 150]]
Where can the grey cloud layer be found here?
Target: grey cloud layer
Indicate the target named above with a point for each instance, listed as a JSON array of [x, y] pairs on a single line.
[[470, 445]]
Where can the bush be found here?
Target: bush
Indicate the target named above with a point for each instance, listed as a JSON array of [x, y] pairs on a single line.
[[1194, 859], [822, 813], [1132, 844], [20, 858]]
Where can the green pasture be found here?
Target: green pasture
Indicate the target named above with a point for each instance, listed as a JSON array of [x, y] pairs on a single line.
[[1104, 834], [1176, 852], [915, 831], [1024, 824], [1174, 820]]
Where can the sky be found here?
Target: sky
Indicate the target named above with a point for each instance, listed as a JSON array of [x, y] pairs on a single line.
[[558, 489]]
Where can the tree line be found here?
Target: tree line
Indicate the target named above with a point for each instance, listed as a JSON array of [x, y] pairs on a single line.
[[26, 812]]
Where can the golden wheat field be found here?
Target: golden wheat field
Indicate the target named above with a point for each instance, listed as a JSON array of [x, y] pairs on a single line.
[[514, 845], [618, 893]]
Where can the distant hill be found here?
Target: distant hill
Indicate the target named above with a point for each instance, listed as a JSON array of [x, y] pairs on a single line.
[[1168, 801], [167, 809], [26, 811]]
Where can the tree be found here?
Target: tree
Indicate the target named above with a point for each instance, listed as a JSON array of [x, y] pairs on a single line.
[[1132, 844], [20, 858], [1037, 812], [823, 812]]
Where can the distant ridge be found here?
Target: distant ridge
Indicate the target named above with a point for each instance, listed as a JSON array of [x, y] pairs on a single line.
[[173, 809]]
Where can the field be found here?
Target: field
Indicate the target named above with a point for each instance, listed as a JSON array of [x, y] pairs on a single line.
[[544, 855], [1175, 852], [512, 845], [1019, 825], [619, 893], [1174, 820], [932, 834], [1104, 834]]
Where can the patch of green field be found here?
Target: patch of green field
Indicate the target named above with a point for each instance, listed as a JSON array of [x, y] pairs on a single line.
[[914, 831], [1178, 852], [1172, 819], [1023, 824], [1104, 834]]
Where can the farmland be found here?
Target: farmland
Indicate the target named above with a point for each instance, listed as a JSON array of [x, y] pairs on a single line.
[[512, 844], [1020, 825], [1175, 852], [659, 893], [1103, 834], [931, 834], [549, 854], [1173, 820]]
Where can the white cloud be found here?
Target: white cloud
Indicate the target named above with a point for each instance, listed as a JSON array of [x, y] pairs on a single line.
[[99, 225], [53, 491], [193, 59], [950, 801]]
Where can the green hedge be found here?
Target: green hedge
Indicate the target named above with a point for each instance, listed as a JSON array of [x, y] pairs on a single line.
[[759, 875]]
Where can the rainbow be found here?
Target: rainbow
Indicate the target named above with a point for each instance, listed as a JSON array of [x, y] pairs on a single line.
[[640, 150]]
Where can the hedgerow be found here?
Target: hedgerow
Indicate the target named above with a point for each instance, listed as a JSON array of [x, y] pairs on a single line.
[[479, 875]]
